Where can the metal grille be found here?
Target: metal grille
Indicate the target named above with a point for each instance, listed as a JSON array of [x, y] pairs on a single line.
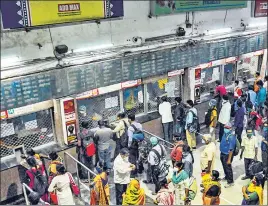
[[30, 131], [156, 90], [133, 100], [229, 74], [104, 107]]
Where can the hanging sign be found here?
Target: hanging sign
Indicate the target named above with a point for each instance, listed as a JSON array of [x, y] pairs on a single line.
[[260, 8]]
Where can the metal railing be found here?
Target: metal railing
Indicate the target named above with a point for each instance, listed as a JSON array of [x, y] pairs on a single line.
[[161, 140], [25, 188], [70, 169]]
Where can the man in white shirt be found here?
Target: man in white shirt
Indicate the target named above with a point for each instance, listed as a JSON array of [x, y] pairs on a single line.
[[225, 115], [167, 119], [122, 169], [249, 151]]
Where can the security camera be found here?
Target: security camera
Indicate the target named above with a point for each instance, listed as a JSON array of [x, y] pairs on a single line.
[[135, 39], [60, 52]]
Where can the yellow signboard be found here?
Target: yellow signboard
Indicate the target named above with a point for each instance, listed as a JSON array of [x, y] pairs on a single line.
[[52, 12]]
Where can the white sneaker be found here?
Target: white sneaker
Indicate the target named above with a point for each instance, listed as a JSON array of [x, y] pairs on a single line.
[[229, 185]]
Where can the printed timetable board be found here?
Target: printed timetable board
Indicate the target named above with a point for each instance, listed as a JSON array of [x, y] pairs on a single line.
[[77, 79]]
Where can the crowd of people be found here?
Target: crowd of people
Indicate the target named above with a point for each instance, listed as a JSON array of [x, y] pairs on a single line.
[[241, 117]]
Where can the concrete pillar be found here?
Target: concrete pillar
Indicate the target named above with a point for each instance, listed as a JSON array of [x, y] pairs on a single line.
[[186, 79], [58, 123]]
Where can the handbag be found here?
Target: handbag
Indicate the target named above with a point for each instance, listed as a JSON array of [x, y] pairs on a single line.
[[53, 198], [74, 187]]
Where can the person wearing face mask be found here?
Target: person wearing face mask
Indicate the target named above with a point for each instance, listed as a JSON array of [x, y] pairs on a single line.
[[181, 182], [122, 169], [225, 115], [253, 192], [227, 147], [212, 190], [208, 155], [249, 148], [264, 148]]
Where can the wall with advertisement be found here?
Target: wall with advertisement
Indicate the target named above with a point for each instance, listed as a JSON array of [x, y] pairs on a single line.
[[161, 7], [26, 13], [260, 8], [20, 45], [68, 111]]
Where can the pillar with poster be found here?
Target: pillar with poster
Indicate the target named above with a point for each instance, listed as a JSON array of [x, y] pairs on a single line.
[[69, 120], [197, 85]]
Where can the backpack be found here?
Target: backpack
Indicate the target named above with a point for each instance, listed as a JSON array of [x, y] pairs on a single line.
[[40, 183], [176, 153], [162, 167], [255, 167], [137, 134], [208, 116], [192, 188], [194, 127], [237, 145], [88, 145], [124, 137]]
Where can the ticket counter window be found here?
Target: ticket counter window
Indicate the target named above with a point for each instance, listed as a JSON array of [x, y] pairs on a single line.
[[103, 107], [229, 75], [246, 69], [156, 90], [133, 99], [29, 130], [209, 76]]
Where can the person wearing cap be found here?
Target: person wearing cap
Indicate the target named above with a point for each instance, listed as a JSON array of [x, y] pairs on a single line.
[[212, 190], [249, 149], [213, 118], [253, 192], [225, 115], [157, 161], [227, 147], [102, 138], [264, 147], [122, 169], [208, 155]]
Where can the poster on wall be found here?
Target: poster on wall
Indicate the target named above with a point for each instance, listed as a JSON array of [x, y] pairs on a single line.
[[164, 7], [28, 13], [260, 8], [198, 76], [69, 120]]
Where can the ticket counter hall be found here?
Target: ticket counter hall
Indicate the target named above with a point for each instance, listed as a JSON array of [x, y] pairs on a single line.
[[64, 63]]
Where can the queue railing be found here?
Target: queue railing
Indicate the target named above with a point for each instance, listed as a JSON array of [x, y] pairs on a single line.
[[73, 166], [27, 188]]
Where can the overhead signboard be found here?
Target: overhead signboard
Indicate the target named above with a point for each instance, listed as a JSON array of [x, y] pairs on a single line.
[[31, 89], [260, 8], [162, 7], [28, 13]]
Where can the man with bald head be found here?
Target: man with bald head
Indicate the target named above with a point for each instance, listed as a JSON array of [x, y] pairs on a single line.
[[208, 154]]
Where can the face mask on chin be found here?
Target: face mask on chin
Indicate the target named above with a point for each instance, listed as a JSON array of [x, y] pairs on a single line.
[[175, 169]]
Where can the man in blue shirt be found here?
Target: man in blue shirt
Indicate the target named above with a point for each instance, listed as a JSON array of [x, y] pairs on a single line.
[[227, 146], [264, 147], [261, 97]]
